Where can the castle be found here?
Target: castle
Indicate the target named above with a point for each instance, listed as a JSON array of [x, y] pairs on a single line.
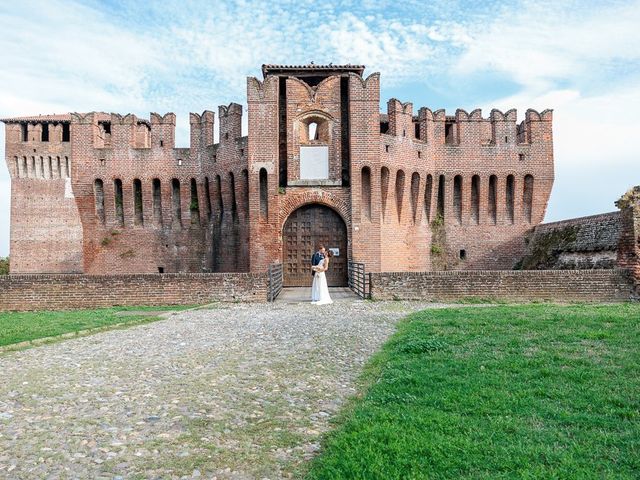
[[101, 193]]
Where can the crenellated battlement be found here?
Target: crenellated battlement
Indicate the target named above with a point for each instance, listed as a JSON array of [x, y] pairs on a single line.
[[262, 91], [121, 132], [400, 118], [464, 128], [230, 122], [201, 132], [38, 147]]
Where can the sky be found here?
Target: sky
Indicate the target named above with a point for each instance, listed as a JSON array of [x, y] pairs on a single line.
[[579, 58]]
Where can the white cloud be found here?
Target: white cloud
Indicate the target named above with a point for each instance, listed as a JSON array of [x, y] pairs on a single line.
[[539, 43], [592, 53], [86, 64], [399, 50]]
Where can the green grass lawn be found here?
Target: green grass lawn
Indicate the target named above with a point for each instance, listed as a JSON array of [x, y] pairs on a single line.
[[537, 391], [16, 327]]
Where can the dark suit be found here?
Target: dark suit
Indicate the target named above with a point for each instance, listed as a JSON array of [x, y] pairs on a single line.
[[315, 260]]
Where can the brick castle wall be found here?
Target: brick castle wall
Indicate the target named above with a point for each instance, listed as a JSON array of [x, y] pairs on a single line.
[[548, 285], [416, 192], [193, 201], [67, 292], [460, 192]]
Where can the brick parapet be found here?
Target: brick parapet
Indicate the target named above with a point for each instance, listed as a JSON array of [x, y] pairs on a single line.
[[521, 286], [66, 292]]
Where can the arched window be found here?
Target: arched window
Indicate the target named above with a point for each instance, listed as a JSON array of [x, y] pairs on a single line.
[[138, 218], [365, 194], [314, 128], [264, 195], [415, 191], [220, 203], [176, 203], [313, 131], [509, 198], [492, 199], [98, 194], [314, 139], [457, 198], [245, 192], [157, 201], [232, 188], [118, 201], [527, 198], [475, 199], [384, 188], [194, 206], [207, 199], [399, 192], [428, 192], [68, 164], [440, 203]]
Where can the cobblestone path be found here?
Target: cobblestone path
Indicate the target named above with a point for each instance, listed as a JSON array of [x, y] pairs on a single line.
[[235, 392]]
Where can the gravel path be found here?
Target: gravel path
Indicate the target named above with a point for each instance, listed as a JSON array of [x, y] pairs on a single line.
[[235, 392]]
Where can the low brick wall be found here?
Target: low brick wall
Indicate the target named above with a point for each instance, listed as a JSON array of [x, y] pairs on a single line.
[[66, 292], [513, 285]]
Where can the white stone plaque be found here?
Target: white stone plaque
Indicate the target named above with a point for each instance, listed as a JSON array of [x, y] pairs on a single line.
[[314, 162]]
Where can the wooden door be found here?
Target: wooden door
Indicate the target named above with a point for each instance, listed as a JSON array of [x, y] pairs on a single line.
[[305, 228]]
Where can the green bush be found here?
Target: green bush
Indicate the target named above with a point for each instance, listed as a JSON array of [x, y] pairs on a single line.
[[4, 265]]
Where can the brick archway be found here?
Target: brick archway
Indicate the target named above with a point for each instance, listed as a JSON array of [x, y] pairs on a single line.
[[305, 228], [294, 201]]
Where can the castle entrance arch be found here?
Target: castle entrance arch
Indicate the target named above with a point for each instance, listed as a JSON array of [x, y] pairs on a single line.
[[305, 228]]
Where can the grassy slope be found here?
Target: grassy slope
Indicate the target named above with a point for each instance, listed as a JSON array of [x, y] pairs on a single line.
[[534, 391], [16, 327]]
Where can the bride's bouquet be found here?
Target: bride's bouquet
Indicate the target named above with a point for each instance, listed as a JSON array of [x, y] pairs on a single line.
[[316, 268]]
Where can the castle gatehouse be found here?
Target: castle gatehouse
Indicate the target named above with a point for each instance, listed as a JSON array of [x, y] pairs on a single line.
[[407, 190]]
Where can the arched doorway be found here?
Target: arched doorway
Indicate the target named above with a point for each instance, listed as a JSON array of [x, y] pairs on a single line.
[[305, 228]]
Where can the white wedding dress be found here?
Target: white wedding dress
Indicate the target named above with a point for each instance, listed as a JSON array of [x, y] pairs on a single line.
[[319, 289]]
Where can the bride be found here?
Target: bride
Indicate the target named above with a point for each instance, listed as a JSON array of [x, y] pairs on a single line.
[[319, 288]]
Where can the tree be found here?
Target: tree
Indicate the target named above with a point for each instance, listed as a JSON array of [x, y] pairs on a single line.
[[4, 265]]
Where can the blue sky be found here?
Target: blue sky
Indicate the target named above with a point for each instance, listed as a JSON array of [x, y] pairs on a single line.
[[580, 58]]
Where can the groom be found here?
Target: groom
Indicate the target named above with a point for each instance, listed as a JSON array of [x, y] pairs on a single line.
[[315, 259]]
